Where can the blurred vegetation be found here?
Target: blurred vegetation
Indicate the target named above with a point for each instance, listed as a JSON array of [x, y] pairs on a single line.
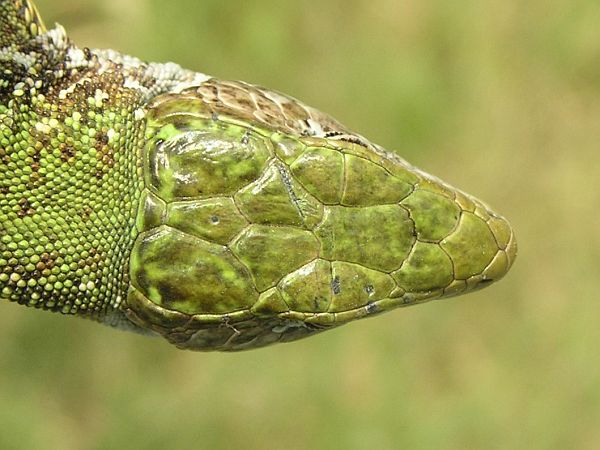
[[500, 98]]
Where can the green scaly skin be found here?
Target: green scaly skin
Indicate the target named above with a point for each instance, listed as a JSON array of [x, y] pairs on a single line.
[[220, 215]]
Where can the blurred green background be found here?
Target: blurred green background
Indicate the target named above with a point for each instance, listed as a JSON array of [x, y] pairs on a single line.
[[499, 98]]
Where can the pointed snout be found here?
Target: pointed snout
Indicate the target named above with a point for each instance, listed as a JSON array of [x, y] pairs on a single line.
[[482, 249], [461, 245]]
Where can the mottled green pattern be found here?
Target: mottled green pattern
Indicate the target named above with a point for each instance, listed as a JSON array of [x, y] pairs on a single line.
[[168, 267], [218, 214], [70, 178]]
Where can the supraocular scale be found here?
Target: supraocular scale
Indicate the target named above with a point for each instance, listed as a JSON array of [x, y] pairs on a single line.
[[218, 214]]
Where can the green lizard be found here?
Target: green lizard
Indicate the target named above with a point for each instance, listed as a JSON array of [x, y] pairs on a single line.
[[218, 214]]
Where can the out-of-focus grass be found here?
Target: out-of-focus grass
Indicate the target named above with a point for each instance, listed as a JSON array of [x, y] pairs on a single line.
[[500, 98]]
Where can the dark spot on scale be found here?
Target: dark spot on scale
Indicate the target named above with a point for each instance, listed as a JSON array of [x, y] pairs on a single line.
[[102, 138], [66, 152], [354, 140], [214, 116], [369, 289], [180, 123], [169, 294], [215, 220], [25, 208], [245, 138], [336, 286], [371, 308], [85, 213]]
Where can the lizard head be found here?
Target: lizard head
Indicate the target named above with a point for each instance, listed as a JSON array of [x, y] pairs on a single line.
[[218, 214]]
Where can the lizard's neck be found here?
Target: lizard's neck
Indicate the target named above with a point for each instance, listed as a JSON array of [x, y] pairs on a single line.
[[72, 132], [69, 176]]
